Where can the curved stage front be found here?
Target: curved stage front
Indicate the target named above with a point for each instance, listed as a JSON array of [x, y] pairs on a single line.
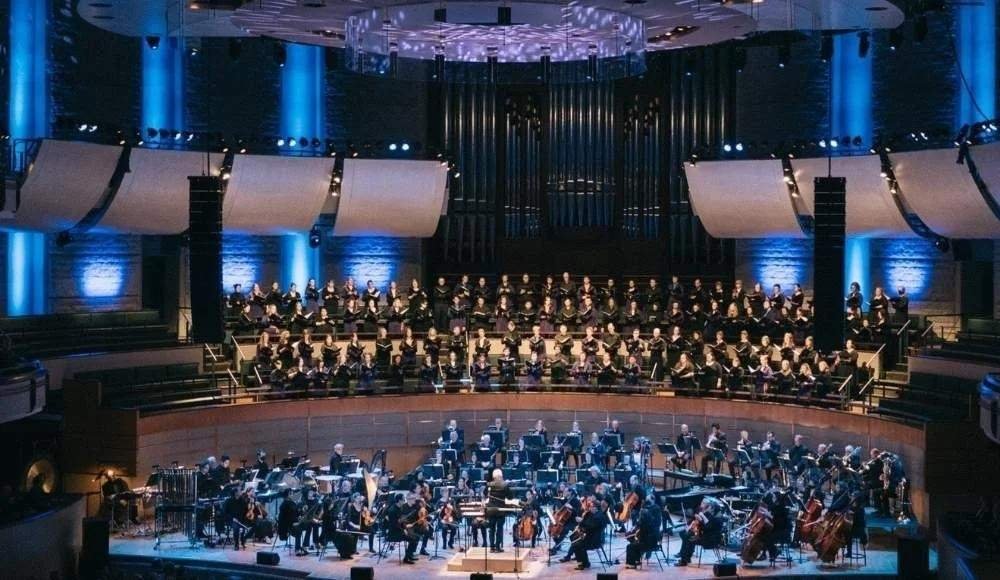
[[407, 425]]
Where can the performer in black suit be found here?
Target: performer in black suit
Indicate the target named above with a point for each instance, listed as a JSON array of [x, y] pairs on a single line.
[[591, 526], [647, 534]]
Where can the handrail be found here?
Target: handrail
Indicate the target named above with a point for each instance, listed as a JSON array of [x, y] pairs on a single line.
[[903, 328], [926, 330], [233, 383], [844, 384], [211, 353]]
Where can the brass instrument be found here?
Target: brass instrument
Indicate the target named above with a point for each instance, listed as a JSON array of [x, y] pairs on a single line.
[[311, 515]]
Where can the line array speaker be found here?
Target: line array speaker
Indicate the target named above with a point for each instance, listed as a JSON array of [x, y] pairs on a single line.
[[205, 231], [828, 262]]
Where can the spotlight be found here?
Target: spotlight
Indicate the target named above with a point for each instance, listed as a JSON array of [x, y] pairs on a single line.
[[226, 175], [822, 143], [457, 175], [153, 42], [177, 135], [292, 142], [82, 128], [727, 147], [280, 142], [864, 44], [316, 143], [392, 147], [405, 146], [314, 238], [739, 146], [942, 244], [194, 51], [92, 129], [834, 143], [190, 137]]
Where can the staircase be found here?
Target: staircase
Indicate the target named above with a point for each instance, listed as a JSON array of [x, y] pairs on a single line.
[[917, 398], [217, 364]]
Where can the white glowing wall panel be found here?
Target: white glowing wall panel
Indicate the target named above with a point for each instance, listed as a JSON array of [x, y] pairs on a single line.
[[153, 198], [65, 183], [871, 211], [269, 195], [742, 199], [391, 197], [943, 194]]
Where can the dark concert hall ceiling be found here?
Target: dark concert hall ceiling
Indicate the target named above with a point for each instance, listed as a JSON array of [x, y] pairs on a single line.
[[513, 30]]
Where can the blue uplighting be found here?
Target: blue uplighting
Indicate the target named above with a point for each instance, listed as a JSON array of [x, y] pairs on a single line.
[[371, 258], [779, 261], [299, 262], [976, 44], [908, 263], [25, 273], [28, 118], [163, 85], [851, 114], [240, 263], [302, 103]]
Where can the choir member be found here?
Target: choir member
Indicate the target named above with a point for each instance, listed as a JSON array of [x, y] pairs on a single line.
[[458, 345], [503, 313], [441, 298], [408, 349], [457, 312], [330, 297], [432, 345], [481, 373], [533, 370], [536, 343], [526, 291], [481, 345], [463, 290], [854, 298], [416, 295], [527, 316], [383, 349], [682, 373], [901, 304], [366, 373], [711, 373], [354, 349], [564, 341], [512, 340], [547, 315], [590, 345]]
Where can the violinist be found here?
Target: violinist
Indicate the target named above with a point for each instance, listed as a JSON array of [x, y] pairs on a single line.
[[448, 516], [596, 454], [705, 530], [361, 521], [400, 515], [645, 536]]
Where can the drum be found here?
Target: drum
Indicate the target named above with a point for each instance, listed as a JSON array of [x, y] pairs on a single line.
[[327, 484]]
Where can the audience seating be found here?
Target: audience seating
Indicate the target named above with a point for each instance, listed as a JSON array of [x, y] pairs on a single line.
[[152, 387], [59, 334]]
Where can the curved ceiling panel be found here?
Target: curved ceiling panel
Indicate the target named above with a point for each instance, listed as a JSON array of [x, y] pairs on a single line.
[[153, 198], [944, 194], [871, 211], [270, 195], [987, 160], [66, 181], [742, 199], [391, 197]]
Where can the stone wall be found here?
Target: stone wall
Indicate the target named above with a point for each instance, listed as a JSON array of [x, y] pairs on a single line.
[[95, 273]]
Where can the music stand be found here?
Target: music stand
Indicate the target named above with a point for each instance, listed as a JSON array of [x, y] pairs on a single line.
[[433, 471], [449, 455], [547, 476], [612, 441], [573, 442], [535, 441]]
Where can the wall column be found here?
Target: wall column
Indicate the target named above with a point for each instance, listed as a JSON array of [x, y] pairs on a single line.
[[28, 119]]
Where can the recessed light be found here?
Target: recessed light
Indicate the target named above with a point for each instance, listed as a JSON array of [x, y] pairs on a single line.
[[876, 8], [100, 4]]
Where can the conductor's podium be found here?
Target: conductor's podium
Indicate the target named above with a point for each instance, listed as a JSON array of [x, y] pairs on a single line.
[[481, 560]]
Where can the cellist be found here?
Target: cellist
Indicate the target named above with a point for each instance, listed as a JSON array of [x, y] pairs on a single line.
[[705, 530], [530, 508], [572, 505], [646, 535]]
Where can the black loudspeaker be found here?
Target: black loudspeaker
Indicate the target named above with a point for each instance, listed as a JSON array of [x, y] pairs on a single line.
[[480, 576], [362, 573], [205, 262], [724, 569], [912, 552], [828, 262], [268, 558], [94, 552], [607, 576]]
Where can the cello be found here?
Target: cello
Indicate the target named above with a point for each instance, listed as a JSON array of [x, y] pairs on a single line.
[[526, 527], [625, 510], [560, 519], [834, 534], [759, 526], [806, 520]]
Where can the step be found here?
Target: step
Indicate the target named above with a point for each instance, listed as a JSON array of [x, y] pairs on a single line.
[[478, 560], [898, 376]]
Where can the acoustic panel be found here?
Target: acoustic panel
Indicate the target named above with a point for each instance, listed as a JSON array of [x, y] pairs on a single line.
[[742, 199], [153, 198], [65, 182], [399, 198], [270, 195], [943, 193], [987, 160], [871, 211]]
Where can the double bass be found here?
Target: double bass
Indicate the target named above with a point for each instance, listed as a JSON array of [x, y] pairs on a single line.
[[759, 526]]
